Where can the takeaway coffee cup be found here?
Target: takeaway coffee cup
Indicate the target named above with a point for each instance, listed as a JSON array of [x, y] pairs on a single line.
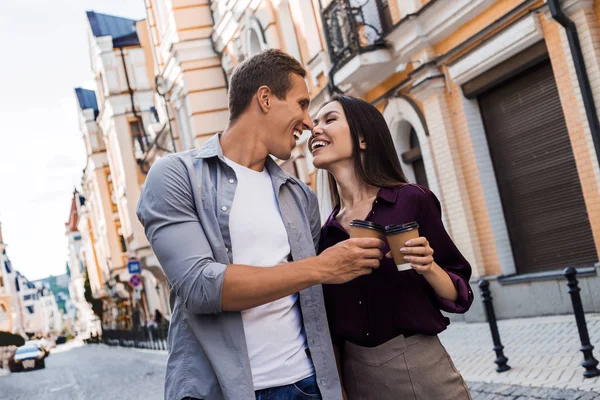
[[397, 236], [366, 229]]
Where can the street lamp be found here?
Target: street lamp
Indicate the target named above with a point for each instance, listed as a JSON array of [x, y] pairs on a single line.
[[161, 89]]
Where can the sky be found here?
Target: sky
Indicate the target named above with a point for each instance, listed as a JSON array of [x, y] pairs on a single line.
[[43, 56]]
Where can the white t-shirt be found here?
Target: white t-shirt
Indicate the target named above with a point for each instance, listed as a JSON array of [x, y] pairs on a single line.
[[274, 332]]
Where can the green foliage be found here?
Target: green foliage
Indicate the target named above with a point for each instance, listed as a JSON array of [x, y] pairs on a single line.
[[10, 339], [95, 303]]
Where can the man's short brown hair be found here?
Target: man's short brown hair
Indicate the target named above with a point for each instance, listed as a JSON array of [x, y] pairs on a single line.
[[272, 68]]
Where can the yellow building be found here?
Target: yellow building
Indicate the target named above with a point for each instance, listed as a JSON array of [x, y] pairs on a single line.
[[485, 102], [119, 124], [7, 295]]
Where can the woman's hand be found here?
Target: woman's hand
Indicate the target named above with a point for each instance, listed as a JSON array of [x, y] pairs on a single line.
[[418, 253]]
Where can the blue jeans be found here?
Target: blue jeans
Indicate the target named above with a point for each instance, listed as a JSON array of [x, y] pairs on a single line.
[[306, 389]]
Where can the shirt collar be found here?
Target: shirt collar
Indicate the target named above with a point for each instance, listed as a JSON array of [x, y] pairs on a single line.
[[388, 194], [212, 148]]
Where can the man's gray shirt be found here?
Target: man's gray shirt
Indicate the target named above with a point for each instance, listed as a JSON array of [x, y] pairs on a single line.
[[184, 208]]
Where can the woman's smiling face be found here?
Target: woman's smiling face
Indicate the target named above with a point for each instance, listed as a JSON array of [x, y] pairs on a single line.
[[330, 141]]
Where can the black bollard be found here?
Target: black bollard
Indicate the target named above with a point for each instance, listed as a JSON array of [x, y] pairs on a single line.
[[486, 296], [589, 362]]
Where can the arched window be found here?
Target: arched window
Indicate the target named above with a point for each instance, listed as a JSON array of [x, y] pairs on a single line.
[[4, 318], [414, 158], [253, 43]]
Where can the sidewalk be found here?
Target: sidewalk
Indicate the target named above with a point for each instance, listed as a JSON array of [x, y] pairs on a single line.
[[543, 352]]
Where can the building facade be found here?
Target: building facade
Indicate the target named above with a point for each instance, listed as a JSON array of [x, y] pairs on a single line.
[[84, 318], [11, 315], [120, 126], [487, 102]]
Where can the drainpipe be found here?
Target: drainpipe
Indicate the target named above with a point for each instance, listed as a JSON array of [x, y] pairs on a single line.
[[580, 70]]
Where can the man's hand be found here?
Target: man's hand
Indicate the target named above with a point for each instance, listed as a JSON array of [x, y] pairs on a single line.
[[350, 259]]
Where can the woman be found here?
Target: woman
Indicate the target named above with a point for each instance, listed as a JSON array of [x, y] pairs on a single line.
[[384, 325]]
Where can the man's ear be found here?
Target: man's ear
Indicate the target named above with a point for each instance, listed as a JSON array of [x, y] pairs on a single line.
[[264, 98], [363, 144]]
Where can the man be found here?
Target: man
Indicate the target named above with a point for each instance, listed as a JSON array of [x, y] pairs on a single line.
[[236, 238]]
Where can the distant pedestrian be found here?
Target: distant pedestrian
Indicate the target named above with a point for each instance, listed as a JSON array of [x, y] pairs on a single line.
[[158, 317]]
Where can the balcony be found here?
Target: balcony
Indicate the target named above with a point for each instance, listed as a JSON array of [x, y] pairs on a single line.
[[355, 26], [355, 32]]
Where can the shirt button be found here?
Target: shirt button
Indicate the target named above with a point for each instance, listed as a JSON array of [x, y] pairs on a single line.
[[224, 208], [226, 250], [323, 381], [360, 302], [231, 181], [367, 333]]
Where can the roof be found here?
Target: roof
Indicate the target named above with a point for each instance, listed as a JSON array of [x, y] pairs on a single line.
[[73, 214], [87, 99], [122, 30]]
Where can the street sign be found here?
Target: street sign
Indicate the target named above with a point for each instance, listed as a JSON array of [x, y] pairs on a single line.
[[135, 280], [134, 266]]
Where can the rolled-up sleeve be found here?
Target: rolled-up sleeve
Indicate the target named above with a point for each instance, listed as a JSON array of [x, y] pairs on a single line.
[[167, 211], [446, 254]]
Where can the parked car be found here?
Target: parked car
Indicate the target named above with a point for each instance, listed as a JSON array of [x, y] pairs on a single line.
[[27, 357], [41, 343]]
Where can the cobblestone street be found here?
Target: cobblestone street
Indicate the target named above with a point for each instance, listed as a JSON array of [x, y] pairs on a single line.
[[543, 352], [80, 372]]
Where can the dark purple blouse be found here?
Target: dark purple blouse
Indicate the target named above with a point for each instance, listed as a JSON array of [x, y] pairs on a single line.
[[375, 308]]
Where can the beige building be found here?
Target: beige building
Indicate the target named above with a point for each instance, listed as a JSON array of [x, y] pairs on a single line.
[[119, 124], [25, 308], [485, 102]]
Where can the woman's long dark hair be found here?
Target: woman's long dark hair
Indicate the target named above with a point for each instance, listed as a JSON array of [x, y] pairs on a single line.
[[378, 164]]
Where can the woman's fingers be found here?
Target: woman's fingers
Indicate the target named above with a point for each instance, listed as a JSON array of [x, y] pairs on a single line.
[[419, 260], [420, 241], [417, 250]]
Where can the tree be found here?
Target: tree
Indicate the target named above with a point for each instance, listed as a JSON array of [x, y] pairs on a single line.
[[10, 339], [95, 303]]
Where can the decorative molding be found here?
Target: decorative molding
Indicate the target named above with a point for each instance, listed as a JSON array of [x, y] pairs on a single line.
[[427, 80], [319, 64], [366, 70], [437, 22], [501, 47]]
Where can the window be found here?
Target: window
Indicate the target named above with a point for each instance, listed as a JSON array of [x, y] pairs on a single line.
[[123, 243], [415, 159], [254, 46], [184, 128], [140, 142]]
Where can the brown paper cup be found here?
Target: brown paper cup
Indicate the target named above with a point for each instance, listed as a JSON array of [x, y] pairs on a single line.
[[366, 229], [396, 242], [358, 232]]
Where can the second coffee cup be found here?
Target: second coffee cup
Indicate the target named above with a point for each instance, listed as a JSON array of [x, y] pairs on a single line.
[[366, 229], [397, 236]]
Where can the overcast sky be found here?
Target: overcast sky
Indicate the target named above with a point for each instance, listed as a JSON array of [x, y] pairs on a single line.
[[44, 56]]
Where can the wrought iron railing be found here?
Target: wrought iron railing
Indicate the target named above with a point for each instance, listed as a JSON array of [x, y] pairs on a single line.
[[143, 338], [355, 26]]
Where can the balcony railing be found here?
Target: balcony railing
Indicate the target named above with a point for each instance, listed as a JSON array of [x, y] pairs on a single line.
[[355, 26]]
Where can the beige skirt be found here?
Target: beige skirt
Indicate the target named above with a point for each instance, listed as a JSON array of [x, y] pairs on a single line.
[[413, 368]]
